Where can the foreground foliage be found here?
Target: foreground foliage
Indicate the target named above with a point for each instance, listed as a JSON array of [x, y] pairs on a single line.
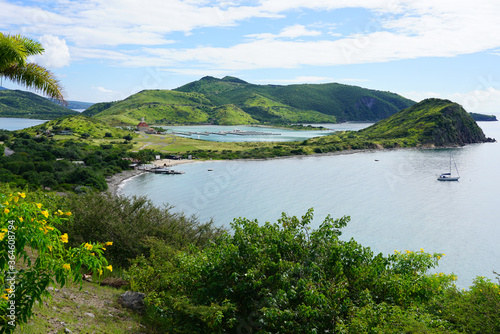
[[285, 278], [129, 223], [33, 255]]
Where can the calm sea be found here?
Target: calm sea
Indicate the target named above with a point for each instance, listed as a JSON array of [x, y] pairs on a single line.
[[392, 197], [13, 124], [269, 134]]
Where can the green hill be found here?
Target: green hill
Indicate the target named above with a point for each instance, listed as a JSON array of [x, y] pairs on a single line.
[[344, 102], [22, 104], [431, 121], [79, 125], [157, 106], [200, 102]]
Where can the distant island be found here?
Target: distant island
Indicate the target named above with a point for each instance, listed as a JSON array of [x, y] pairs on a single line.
[[483, 118]]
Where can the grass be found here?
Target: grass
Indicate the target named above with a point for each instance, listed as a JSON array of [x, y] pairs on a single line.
[[178, 144], [68, 307]]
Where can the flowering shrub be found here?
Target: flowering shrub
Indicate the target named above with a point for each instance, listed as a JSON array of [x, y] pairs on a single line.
[[33, 255]]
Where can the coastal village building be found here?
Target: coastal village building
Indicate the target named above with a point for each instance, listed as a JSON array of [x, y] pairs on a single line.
[[144, 127]]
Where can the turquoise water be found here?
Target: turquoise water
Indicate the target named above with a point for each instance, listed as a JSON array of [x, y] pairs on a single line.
[[13, 124], [272, 134], [392, 197]]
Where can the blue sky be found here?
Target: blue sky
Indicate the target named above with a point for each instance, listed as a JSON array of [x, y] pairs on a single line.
[[106, 50]]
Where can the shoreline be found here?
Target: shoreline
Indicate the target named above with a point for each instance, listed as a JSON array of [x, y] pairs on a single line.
[[116, 180]]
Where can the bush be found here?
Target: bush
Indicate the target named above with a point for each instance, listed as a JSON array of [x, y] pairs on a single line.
[[284, 278], [33, 256], [128, 222]]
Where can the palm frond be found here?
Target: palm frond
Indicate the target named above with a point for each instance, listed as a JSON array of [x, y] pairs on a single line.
[[35, 77], [31, 46], [12, 51]]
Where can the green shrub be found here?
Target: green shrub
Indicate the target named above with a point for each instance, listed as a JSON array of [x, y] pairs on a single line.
[[284, 278], [128, 222]]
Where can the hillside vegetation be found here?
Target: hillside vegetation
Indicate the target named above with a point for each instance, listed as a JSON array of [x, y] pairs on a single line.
[[243, 103], [21, 104], [80, 125], [344, 102], [432, 121]]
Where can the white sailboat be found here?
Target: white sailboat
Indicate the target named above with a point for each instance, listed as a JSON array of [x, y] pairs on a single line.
[[448, 176]]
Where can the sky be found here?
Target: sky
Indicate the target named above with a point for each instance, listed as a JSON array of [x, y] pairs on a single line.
[[107, 50]]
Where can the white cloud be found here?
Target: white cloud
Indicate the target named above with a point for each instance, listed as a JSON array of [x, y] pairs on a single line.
[[56, 53], [290, 32], [397, 29], [103, 90], [484, 100]]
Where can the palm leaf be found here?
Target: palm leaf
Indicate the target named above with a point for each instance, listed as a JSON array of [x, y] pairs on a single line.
[[12, 51], [35, 77]]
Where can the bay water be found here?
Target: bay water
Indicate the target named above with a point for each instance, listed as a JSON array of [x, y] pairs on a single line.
[[392, 196], [13, 124]]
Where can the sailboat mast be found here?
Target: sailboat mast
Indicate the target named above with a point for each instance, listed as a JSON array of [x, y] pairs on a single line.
[[450, 163]]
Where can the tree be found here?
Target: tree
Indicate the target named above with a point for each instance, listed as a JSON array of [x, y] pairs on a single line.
[[14, 51], [33, 255]]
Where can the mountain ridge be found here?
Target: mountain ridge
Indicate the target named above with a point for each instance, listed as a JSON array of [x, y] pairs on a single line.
[[344, 102], [269, 104]]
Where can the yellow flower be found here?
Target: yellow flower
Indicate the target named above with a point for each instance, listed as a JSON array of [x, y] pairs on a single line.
[[64, 237], [100, 271], [408, 252], [68, 213], [104, 248], [38, 205], [422, 250], [2, 235], [88, 246], [4, 296], [21, 219], [439, 257], [59, 212], [6, 203], [110, 268], [50, 248], [9, 290], [66, 266], [50, 228], [45, 213], [16, 199], [6, 211], [23, 195], [109, 243]]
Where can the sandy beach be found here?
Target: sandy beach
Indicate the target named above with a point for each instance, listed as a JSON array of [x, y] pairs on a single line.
[[115, 180]]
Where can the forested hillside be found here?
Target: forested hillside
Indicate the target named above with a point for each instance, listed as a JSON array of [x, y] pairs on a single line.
[[243, 103], [346, 103], [21, 104]]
